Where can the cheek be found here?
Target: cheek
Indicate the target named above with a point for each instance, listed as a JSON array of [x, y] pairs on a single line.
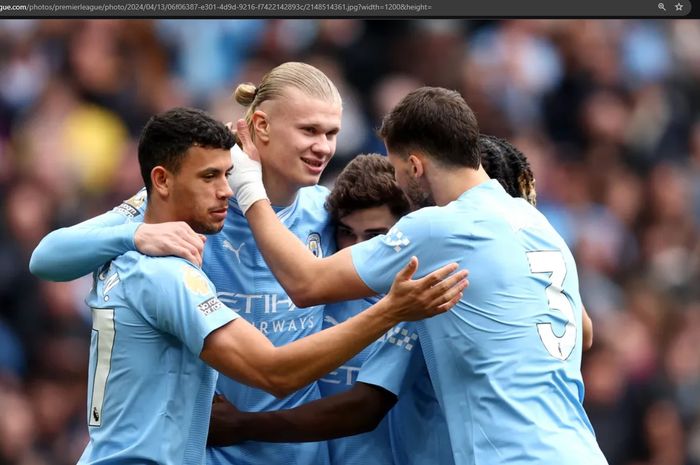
[[333, 145]]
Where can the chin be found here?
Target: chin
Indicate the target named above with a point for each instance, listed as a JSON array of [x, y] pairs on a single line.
[[310, 180], [208, 228]]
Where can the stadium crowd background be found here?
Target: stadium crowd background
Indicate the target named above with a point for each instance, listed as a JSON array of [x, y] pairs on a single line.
[[608, 113]]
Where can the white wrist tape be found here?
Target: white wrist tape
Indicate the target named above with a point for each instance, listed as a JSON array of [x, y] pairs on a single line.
[[246, 179]]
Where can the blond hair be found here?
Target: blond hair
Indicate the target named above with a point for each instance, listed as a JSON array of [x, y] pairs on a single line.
[[302, 76]]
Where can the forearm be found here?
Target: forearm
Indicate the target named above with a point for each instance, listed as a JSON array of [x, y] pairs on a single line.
[[290, 261], [355, 411], [308, 359], [69, 253], [297, 269]]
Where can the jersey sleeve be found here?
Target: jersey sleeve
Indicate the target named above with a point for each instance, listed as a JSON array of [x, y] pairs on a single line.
[[72, 252], [396, 362], [379, 259], [178, 298]]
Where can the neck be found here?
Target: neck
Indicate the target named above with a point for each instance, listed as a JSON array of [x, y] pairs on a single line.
[[279, 191], [156, 211], [447, 184]]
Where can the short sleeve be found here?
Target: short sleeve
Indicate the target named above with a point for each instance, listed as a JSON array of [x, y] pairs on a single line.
[[133, 208], [396, 361], [426, 234], [180, 300]]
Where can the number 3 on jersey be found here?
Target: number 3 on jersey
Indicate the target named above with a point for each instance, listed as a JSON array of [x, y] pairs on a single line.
[[551, 263], [103, 325]]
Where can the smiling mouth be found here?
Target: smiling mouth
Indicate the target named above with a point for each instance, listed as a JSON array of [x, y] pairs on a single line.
[[314, 162]]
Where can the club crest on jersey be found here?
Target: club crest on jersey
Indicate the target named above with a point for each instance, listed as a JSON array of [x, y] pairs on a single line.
[[130, 208], [313, 242], [396, 239], [194, 281]]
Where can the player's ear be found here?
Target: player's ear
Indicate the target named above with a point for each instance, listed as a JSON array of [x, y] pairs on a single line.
[[161, 180], [417, 165], [261, 126]]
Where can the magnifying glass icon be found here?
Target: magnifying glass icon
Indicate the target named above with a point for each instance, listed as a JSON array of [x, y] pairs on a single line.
[[661, 6]]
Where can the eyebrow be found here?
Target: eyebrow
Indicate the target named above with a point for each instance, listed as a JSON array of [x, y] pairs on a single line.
[[213, 170]]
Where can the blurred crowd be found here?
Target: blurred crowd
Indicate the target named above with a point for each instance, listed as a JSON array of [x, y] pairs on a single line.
[[608, 113]]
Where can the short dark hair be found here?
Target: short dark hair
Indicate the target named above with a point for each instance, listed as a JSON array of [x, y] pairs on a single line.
[[503, 161], [437, 122], [366, 182], [167, 136]]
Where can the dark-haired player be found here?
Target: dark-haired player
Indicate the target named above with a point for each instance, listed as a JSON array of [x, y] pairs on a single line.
[[505, 365], [392, 413]]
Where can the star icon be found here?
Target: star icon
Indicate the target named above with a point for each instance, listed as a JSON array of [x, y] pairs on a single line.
[[679, 6]]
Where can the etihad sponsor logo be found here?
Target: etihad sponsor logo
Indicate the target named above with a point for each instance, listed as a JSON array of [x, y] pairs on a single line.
[[346, 375], [294, 325], [209, 306], [268, 303]]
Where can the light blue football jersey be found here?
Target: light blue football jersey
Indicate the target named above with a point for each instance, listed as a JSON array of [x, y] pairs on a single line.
[[245, 284], [505, 362], [417, 427], [375, 446], [149, 393]]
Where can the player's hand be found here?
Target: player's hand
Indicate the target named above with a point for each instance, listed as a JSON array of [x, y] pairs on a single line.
[[172, 238], [242, 133], [428, 296], [224, 429], [246, 178]]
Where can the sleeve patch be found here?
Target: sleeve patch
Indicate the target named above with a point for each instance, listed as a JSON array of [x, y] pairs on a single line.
[[130, 208], [396, 239], [209, 306], [195, 282]]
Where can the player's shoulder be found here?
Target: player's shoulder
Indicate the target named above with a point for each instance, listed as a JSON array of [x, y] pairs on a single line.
[[425, 222], [310, 207], [161, 270], [134, 206], [313, 196]]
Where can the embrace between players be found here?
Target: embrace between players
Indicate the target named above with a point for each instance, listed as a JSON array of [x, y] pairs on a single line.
[[491, 376]]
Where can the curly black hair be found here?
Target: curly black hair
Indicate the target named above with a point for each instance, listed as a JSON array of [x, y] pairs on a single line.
[[503, 161]]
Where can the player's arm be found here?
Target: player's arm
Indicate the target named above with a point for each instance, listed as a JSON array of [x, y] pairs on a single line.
[[357, 410], [587, 330], [69, 253], [306, 279], [243, 353], [72, 252]]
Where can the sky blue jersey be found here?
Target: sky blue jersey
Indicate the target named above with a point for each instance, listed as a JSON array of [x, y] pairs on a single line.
[[373, 447], [245, 283], [505, 362], [149, 393], [417, 427]]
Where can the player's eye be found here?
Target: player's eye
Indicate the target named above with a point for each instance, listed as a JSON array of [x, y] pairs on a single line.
[[372, 234]]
